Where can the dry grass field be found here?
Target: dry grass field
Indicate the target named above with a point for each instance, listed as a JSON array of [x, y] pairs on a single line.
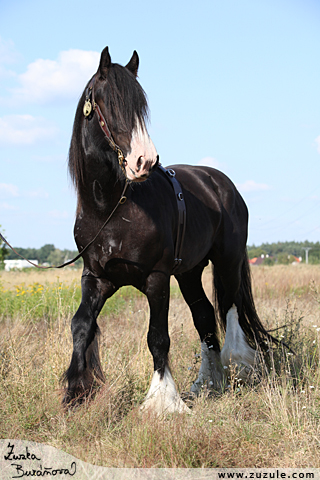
[[275, 422]]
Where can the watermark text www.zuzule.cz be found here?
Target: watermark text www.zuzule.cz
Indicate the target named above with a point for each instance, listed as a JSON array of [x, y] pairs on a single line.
[[276, 474], [20, 469]]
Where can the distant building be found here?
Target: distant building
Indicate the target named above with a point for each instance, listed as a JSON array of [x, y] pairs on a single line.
[[19, 264], [297, 259], [260, 260], [256, 260]]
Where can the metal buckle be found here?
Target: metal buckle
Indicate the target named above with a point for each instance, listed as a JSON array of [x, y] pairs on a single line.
[[171, 172], [120, 156]]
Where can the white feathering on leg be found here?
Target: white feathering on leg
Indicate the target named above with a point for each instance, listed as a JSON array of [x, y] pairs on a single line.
[[236, 349], [162, 396], [211, 374]]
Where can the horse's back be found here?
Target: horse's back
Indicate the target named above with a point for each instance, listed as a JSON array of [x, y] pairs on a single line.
[[210, 191], [212, 187]]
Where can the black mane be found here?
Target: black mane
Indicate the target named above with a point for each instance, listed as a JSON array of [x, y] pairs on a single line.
[[125, 100], [126, 106]]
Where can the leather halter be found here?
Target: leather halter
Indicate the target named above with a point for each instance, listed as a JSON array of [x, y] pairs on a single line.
[[90, 107]]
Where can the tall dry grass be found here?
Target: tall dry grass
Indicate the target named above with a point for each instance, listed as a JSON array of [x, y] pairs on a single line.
[[273, 423]]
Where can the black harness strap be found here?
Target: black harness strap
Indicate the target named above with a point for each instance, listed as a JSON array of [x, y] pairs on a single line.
[[170, 174]]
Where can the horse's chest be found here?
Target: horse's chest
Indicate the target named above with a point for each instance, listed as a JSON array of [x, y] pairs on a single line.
[[125, 250], [110, 248]]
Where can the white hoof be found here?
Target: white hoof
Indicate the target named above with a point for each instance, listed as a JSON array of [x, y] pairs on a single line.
[[211, 374], [163, 397]]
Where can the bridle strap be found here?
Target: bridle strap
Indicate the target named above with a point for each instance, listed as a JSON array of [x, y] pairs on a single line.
[[104, 127], [92, 107], [89, 109]]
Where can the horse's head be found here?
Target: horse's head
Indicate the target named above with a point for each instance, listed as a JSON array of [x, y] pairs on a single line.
[[119, 101]]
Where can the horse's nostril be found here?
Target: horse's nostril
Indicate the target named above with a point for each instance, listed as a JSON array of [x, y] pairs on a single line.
[[139, 163]]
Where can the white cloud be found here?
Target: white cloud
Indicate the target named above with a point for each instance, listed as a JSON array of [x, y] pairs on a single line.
[[252, 186], [58, 215], [6, 206], [8, 190], [47, 81], [317, 140], [39, 193], [209, 162], [25, 130]]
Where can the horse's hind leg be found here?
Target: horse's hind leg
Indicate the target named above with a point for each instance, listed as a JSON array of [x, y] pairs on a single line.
[[211, 373], [85, 368], [236, 351]]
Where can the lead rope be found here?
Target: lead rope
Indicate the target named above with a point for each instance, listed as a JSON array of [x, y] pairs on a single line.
[[121, 201]]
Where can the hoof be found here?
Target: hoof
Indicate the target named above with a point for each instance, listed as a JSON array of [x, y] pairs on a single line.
[[78, 396], [72, 400], [163, 397], [211, 375], [160, 406]]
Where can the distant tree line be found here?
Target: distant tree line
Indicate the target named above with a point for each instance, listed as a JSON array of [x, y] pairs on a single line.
[[280, 252], [47, 254], [283, 252]]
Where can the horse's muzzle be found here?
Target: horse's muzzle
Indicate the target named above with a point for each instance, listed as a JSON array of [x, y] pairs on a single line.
[[142, 170]]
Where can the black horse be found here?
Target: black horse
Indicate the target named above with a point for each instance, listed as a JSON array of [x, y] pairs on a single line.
[[128, 213]]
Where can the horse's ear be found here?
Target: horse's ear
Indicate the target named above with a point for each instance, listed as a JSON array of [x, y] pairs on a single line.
[[133, 65], [105, 62]]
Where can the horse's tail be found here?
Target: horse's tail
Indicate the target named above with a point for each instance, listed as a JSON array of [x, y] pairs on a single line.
[[249, 320]]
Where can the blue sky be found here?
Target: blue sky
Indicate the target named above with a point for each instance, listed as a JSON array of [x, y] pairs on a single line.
[[234, 84]]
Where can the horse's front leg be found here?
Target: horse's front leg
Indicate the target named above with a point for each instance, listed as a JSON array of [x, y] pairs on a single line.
[[85, 369], [162, 396]]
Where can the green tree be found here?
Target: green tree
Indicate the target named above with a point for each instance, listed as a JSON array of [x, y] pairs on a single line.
[[285, 258], [280, 250], [256, 252], [56, 257], [44, 252], [268, 261]]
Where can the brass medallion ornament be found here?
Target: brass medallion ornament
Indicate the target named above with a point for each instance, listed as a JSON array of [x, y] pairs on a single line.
[[87, 108]]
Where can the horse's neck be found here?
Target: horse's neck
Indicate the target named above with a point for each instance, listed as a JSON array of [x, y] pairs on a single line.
[[103, 187]]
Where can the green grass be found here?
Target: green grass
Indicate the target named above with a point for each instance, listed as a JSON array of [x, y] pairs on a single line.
[[48, 301]]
